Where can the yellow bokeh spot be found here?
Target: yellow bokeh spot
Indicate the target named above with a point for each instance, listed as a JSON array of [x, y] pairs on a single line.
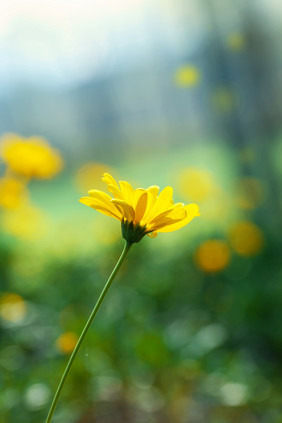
[[66, 342], [223, 100], [236, 41], [89, 175], [213, 255], [187, 76], [27, 223], [249, 193], [196, 184], [12, 307], [246, 238], [13, 193], [30, 157]]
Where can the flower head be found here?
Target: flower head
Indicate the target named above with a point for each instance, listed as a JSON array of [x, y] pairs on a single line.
[[141, 211], [30, 157]]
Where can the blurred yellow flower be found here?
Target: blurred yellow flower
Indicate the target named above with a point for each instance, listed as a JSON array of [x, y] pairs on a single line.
[[13, 193], [236, 41], [249, 193], [66, 342], [187, 76], [196, 184], [246, 238], [30, 157], [223, 99], [141, 211], [89, 175], [27, 223], [12, 307], [213, 255]]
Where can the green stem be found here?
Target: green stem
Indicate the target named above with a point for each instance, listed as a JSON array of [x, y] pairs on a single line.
[[85, 330]]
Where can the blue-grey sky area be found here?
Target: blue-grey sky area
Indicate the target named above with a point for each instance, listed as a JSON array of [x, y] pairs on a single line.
[[67, 41], [103, 71]]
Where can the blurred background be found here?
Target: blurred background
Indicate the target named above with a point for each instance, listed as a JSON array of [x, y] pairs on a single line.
[[171, 92]]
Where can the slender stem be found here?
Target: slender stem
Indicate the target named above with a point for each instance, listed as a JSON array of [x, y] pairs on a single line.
[[85, 330]]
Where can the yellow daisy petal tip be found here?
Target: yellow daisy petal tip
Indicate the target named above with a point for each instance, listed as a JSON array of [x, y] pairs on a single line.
[[140, 211], [81, 200], [153, 234]]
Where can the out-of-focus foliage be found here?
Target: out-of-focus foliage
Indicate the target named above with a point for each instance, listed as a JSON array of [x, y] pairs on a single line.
[[189, 332]]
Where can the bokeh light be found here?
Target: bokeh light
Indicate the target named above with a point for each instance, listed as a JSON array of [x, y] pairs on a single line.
[[213, 255], [187, 76], [66, 342], [246, 238], [196, 184], [12, 307], [236, 41]]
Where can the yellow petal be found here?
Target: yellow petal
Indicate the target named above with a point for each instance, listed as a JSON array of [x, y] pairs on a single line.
[[127, 191], [137, 194], [152, 198], [104, 198], [154, 189], [109, 180], [165, 199], [97, 205], [163, 202], [141, 207], [112, 185], [115, 191], [161, 223], [127, 210], [152, 234], [177, 211], [99, 195], [192, 210]]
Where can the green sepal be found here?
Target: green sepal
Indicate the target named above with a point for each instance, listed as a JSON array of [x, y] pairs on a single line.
[[132, 232]]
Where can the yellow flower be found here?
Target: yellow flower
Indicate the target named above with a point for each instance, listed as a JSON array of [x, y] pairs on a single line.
[[12, 307], [30, 157], [224, 100], [236, 41], [141, 211], [246, 238], [187, 76], [13, 193], [213, 255], [196, 184], [66, 342], [249, 193]]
